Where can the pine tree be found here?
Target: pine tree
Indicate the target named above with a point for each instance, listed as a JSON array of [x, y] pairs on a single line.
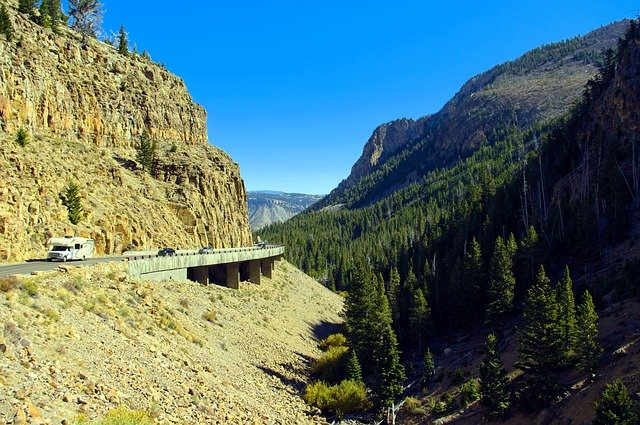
[[123, 42], [386, 383], [512, 245], [566, 315], [419, 316], [587, 348], [474, 278], [71, 199], [387, 373], [393, 293], [541, 342], [44, 19], [354, 372], [501, 283], [429, 368], [86, 15], [359, 305], [615, 407], [493, 379], [27, 6], [6, 27], [54, 10], [146, 154]]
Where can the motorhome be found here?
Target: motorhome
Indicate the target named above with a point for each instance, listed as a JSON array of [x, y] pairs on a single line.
[[70, 248]]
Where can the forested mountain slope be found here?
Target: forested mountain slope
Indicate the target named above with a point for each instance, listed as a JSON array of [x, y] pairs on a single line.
[[575, 200], [530, 239], [540, 85]]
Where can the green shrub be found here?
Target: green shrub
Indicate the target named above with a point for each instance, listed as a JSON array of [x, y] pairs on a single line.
[[22, 138], [333, 340], [458, 377], [346, 397], [615, 406], [413, 406], [330, 366], [30, 287], [119, 416], [469, 392]]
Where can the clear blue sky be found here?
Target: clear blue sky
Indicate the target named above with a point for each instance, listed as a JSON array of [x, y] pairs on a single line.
[[293, 89]]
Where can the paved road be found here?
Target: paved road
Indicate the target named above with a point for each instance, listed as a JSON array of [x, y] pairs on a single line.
[[43, 265]]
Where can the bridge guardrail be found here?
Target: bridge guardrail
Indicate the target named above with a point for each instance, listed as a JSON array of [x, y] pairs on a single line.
[[189, 253]]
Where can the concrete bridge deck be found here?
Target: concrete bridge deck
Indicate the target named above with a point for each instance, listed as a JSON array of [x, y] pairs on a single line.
[[224, 266]]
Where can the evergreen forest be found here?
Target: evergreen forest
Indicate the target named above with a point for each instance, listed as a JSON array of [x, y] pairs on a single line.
[[523, 228]]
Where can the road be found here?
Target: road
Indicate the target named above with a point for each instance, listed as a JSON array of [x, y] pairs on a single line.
[[43, 265]]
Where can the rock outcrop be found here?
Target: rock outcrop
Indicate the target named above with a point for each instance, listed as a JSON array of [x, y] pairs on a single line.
[[84, 107]]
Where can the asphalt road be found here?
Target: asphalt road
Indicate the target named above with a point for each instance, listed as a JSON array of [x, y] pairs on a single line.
[[43, 265]]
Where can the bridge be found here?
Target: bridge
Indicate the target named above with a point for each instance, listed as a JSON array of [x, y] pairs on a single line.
[[223, 266]]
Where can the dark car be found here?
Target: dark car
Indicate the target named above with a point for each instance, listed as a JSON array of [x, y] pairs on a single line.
[[205, 250], [166, 251]]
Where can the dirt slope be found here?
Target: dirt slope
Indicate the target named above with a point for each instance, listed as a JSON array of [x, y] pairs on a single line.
[[91, 339]]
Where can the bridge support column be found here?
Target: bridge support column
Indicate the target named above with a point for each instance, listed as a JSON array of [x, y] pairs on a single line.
[[267, 267], [233, 275], [254, 271], [201, 275]]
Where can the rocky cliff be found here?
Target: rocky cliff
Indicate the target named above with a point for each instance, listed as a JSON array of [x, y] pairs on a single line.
[[84, 107]]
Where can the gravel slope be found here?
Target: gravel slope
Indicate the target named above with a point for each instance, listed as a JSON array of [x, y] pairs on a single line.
[[87, 340]]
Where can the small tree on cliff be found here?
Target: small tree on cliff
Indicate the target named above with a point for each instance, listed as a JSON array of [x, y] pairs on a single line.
[[146, 152], [123, 41], [5, 23], [71, 199], [87, 16], [27, 6]]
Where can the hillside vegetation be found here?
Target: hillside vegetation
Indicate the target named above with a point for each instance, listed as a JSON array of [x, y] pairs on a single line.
[[536, 229], [81, 342]]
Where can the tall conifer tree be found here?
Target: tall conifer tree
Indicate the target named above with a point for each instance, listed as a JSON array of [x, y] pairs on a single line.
[[566, 315], [501, 283], [541, 342], [493, 379], [123, 42], [588, 349], [419, 317]]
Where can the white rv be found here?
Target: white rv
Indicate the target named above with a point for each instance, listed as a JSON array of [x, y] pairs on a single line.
[[70, 248]]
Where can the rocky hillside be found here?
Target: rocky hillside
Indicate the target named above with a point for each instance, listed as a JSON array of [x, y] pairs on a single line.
[[266, 207], [84, 107], [83, 341], [540, 85]]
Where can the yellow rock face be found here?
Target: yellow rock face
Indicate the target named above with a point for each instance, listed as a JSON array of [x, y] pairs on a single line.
[[84, 107]]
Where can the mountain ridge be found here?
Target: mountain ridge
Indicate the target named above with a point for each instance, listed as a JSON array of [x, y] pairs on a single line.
[[466, 121], [267, 206]]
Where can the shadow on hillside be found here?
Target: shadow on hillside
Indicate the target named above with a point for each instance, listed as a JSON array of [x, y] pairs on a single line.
[[294, 383], [126, 163], [324, 329]]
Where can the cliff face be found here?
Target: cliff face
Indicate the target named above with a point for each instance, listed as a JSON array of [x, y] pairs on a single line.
[[385, 140], [84, 107], [87, 91]]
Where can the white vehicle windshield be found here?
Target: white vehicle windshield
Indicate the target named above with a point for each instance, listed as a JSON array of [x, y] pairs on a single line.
[[60, 248]]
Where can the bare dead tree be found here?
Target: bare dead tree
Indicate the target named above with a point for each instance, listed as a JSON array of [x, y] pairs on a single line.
[[87, 16]]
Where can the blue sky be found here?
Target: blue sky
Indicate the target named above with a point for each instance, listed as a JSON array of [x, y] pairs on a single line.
[[293, 89]]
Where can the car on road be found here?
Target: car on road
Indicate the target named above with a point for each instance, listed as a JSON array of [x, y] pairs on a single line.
[[205, 250], [166, 251], [261, 244]]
